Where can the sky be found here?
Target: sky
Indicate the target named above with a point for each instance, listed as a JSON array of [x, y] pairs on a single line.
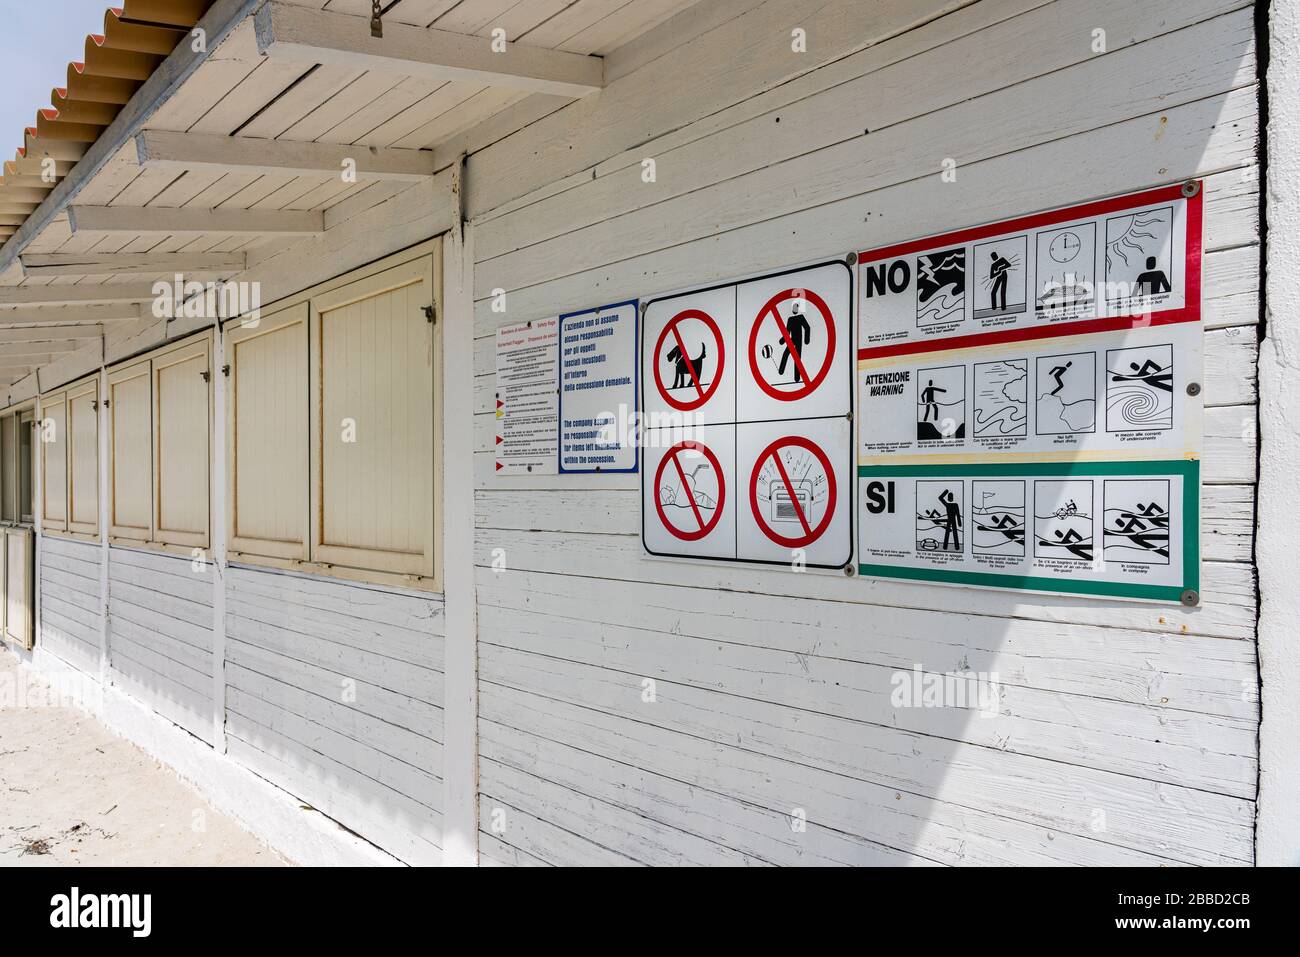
[[38, 40]]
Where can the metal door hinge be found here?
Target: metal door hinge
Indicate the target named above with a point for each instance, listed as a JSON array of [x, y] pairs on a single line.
[[225, 370], [207, 376], [431, 313]]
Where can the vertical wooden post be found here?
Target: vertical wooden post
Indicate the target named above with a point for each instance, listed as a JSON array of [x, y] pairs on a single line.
[[460, 676], [217, 538], [1277, 829], [104, 472]]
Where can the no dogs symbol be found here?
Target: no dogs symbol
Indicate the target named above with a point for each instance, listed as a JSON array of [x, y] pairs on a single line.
[[689, 359], [792, 492], [791, 344]]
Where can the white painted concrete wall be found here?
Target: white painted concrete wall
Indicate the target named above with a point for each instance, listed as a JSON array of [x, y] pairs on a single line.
[[1127, 732]]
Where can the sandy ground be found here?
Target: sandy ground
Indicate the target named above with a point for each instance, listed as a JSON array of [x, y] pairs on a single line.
[[73, 793]]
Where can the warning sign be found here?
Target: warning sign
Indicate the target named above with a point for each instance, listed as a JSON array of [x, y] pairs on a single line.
[[797, 503], [688, 507], [688, 364], [763, 368], [690, 380], [1030, 402], [796, 328]]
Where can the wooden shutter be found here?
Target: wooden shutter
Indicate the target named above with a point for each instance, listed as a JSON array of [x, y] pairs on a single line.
[[53, 436], [26, 466], [373, 350], [19, 591], [83, 457], [181, 389], [130, 425], [9, 468], [267, 430]]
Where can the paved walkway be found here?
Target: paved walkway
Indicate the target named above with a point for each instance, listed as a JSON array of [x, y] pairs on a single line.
[[72, 792]]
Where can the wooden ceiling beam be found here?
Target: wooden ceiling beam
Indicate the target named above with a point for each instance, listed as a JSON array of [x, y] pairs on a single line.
[[114, 312], [73, 295], [158, 149], [195, 222], [72, 336], [286, 31], [127, 264]]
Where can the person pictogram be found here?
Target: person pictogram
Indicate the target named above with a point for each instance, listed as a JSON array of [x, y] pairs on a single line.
[[1153, 281], [800, 334], [1058, 373], [998, 273], [952, 520], [929, 401]]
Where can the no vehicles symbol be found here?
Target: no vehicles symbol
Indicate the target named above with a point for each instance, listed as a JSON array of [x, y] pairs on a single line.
[[792, 492], [690, 485], [792, 344], [684, 350]]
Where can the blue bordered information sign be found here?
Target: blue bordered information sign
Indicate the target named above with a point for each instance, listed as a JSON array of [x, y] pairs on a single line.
[[598, 398]]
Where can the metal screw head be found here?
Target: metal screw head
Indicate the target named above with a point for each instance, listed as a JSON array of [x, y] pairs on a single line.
[[1191, 598], [851, 259], [848, 571], [1193, 388], [1191, 188]]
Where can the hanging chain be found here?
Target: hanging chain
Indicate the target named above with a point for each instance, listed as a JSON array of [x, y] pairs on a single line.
[[376, 23]]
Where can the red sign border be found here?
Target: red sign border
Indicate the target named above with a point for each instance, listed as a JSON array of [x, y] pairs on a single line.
[[809, 445], [814, 383], [722, 491], [1189, 312], [712, 323]]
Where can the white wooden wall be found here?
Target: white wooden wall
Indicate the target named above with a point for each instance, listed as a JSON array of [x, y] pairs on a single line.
[[334, 692], [160, 634], [1127, 733], [71, 607]]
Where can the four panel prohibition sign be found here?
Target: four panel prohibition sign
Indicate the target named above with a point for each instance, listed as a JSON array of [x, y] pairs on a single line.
[[750, 459]]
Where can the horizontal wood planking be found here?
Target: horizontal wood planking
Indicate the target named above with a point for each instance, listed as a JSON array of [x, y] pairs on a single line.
[[760, 672], [1211, 135], [70, 602], [1088, 727], [815, 138], [975, 818], [334, 687], [160, 634]]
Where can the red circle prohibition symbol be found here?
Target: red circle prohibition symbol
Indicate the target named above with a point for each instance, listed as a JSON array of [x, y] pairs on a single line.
[[703, 395], [705, 527], [810, 534], [810, 383]]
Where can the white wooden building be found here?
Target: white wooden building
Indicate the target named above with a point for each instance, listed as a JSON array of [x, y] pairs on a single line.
[[278, 554]]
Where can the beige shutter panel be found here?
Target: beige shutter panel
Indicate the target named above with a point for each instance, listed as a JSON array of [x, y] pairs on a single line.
[[19, 592], [83, 457], [9, 468], [26, 462], [267, 432], [53, 437], [181, 408], [373, 428], [130, 437]]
